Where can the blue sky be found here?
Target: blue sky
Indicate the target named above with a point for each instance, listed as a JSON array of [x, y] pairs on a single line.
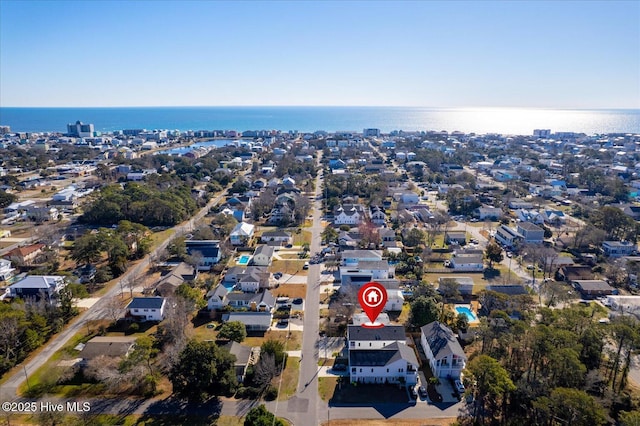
[[583, 54]]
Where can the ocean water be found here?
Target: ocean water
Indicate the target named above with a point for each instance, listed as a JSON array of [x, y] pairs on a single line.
[[309, 119]]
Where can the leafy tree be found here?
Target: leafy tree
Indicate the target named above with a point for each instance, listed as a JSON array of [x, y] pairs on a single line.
[[493, 253], [424, 310], [260, 416], [462, 322], [492, 384], [630, 418], [191, 295], [6, 198], [78, 291], [233, 330], [414, 238], [615, 223], [330, 234], [178, 248], [144, 351], [87, 248], [449, 289], [203, 370], [276, 348], [570, 406]]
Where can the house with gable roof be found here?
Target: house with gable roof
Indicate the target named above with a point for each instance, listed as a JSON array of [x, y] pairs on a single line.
[[241, 234], [445, 355], [147, 308], [381, 355], [37, 286]]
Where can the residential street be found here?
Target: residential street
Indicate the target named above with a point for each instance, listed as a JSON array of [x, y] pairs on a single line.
[[97, 311]]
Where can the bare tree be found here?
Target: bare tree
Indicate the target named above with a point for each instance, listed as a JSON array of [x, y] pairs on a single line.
[[265, 370], [113, 308]]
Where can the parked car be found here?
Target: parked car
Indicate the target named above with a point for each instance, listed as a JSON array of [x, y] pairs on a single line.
[[306, 265], [459, 386], [414, 394], [283, 322], [422, 391]]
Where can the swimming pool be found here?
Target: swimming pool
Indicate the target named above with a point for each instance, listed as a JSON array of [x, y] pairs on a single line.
[[467, 311], [244, 259]]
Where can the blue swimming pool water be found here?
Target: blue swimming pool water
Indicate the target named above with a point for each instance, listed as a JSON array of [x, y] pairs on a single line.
[[465, 310], [244, 259]]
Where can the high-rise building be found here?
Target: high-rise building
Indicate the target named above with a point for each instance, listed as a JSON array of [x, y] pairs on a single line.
[[80, 130]]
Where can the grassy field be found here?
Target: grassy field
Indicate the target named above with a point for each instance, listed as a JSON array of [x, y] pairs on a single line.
[[158, 237], [290, 290], [326, 387], [292, 344], [289, 379], [292, 267]]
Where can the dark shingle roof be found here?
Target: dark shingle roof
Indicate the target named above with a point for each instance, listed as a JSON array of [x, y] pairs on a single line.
[[441, 340], [146, 303], [380, 357], [388, 332]]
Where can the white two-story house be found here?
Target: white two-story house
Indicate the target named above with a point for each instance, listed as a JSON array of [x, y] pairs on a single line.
[[381, 355], [445, 355]]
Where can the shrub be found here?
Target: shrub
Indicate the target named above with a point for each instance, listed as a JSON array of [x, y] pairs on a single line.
[[271, 393]]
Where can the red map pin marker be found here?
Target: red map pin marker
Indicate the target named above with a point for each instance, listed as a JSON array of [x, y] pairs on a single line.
[[372, 297]]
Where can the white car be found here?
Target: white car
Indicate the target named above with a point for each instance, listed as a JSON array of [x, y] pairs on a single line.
[[459, 386]]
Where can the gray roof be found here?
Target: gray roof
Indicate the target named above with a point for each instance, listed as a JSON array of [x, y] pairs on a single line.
[[508, 289], [112, 346], [441, 340], [270, 234], [242, 353], [250, 318], [146, 303], [37, 281], [381, 357], [388, 332], [258, 298], [528, 226], [591, 285], [264, 249]]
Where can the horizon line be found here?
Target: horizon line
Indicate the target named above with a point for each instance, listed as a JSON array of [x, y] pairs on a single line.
[[339, 106]]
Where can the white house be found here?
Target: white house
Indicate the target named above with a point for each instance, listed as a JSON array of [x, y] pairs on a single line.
[[378, 217], [353, 257], [276, 236], [147, 308], [619, 248], [37, 285], [366, 271], [262, 255], [381, 355], [349, 214], [6, 271], [483, 213], [507, 236], [445, 355], [467, 262], [241, 234]]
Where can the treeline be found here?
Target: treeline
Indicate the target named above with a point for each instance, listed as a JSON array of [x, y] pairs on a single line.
[[555, 367], [27, 324], [151, 205]]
